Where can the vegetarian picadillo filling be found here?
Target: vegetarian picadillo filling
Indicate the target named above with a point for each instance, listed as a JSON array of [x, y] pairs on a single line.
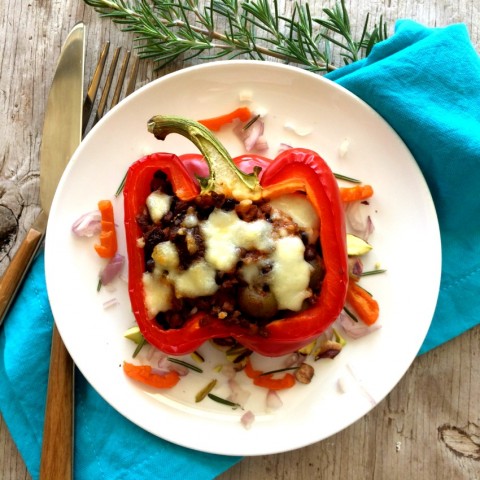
[[247, 263]]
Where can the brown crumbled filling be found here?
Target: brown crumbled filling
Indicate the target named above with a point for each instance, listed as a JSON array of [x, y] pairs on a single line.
[[226, 303]]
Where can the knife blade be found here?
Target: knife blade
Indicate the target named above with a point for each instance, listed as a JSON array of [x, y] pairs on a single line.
[[62, 133]]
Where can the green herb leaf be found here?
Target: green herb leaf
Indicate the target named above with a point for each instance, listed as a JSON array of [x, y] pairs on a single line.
[[280, 370], [142, 343], [185, 364], [224, 401], [377, 271], [339, 176]]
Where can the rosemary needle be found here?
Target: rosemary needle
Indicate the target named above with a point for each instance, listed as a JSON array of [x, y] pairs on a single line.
[[223, 401], [372, 272], [339, 176], [185, 364], [250, 122], [140, 345]]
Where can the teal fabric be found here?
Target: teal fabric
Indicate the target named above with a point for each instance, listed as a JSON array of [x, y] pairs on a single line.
[[107, 446], [426, 84]]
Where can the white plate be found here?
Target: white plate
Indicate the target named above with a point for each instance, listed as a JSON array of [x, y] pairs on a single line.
[[406, 242]]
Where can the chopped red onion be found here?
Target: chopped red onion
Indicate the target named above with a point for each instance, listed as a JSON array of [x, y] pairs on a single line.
[[110, 303], [88, 225], [237, 393], [162, 361], [228, 370], [274, 402], [182, 370], [356, 329], [261, 145], [158, 371], [355, 266], [294, 360], [252, 137], [112, 269], [247, 419], [359, 219]]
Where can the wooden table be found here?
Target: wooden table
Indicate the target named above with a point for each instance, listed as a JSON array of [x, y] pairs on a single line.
[[428, 427]]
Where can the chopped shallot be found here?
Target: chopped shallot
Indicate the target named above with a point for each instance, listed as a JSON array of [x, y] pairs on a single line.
[[88, 225], [356, 329], [359, 219], [112, 269], [159, 371], [162, 364], [228, 370], [182, 370], [252, 137], [110, 303], [273, 402], [294, 359], [238, 394], [247, 419], [355, 266]]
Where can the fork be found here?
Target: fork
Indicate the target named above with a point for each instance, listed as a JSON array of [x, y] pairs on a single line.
[[58, 436]]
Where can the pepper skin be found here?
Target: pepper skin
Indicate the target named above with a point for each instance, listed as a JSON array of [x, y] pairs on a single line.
[[294, 170]]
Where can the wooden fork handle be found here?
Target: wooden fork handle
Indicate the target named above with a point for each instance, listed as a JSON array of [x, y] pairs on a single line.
[[57, 446], [18, 267]]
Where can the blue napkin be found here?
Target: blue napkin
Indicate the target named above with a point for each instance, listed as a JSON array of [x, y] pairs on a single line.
[[426, 84], [107, 446]]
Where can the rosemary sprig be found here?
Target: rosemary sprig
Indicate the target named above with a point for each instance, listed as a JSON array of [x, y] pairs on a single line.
[[165, 30]]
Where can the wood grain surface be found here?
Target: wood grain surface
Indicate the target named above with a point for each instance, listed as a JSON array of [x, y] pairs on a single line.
[[427, 428]]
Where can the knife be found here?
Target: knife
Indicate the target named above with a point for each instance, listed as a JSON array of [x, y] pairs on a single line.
[[62, 133]]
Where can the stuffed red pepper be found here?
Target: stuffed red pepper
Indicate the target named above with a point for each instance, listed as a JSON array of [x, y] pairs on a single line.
[[229, 255]]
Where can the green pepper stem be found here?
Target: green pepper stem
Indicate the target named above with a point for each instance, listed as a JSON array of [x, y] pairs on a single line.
[[225, 177]]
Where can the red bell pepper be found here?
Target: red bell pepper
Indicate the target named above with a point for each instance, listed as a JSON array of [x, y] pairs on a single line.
[[295, 170]]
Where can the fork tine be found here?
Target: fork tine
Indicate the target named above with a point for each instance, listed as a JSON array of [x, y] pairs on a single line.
[[95, 83], [133, 78], [106, 90], [121, 78], [93, 87]]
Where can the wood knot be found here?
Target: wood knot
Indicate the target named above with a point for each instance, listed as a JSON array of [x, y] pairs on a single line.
[[463, 442], [11, 204]]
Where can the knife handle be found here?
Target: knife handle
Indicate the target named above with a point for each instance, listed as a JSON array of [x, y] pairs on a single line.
[[18, 267], [57, 445]]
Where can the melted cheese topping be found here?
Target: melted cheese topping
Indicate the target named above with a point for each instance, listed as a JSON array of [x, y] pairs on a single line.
[[158, 204], [301, 211], [165, 255], [225, 234], [158, 294], [197, 281], [290, 275]]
